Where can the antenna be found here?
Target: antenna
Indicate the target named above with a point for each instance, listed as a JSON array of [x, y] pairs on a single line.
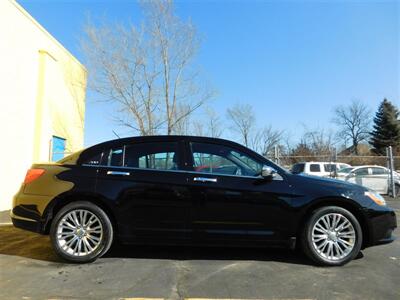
[[116, 134]]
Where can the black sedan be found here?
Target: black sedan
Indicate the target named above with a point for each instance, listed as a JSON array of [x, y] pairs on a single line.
[[196, 191]]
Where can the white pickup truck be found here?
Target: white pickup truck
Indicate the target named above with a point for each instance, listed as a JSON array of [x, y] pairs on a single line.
[[322, 169]]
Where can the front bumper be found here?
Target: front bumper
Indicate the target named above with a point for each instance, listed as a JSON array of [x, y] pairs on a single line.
[[382, 223]]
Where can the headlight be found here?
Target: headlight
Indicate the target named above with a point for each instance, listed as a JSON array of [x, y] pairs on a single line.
[[378, 199]]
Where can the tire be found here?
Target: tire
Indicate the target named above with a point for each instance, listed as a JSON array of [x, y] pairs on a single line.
[[332, 247], [397, 190], [81, 242]]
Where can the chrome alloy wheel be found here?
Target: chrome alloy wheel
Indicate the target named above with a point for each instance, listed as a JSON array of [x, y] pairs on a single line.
[[333, 236], [79, 232]]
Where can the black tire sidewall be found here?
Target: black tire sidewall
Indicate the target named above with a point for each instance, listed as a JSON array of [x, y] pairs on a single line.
[[307, 236], [105, 243]]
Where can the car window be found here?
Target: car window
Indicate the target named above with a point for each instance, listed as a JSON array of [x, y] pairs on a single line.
[[346, 170], [361, 172], [379, 171], [298, 168], [115, 157], [315, 168], [219, 159], [329, 167], [94, 160], [158, 156]]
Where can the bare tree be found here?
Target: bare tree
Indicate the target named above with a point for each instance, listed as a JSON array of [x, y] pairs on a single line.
[[214, 123], [147, 70], [243, 121], [353, 122], [266, 139]]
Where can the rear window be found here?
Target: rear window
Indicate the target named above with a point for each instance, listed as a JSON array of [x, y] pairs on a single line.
[[315, 168], [298, 168]]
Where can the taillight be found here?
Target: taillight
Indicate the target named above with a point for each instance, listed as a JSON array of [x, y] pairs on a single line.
[[33, 174]]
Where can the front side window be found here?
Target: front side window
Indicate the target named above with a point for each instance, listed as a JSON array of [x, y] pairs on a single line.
[[158, 156], [219, 159], [361, 172]]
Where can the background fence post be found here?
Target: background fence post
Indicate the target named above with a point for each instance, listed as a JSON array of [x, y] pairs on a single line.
[[391, 186]]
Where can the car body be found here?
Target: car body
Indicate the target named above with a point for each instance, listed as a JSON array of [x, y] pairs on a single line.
[[321, 169], [195, 191], [371, 176]]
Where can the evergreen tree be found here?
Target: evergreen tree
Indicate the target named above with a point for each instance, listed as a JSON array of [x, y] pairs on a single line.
[[386, 128]]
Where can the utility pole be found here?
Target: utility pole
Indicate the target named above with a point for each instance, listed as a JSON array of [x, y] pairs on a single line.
[[389, 153]]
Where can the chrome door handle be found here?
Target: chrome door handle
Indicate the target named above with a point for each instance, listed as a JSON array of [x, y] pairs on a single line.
[[205, 179], [118, 173]]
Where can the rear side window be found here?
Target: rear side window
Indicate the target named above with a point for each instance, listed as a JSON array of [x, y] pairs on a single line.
[[379, 171], [315, 168], [298, 168], [95, 159], [116, 157], [158, 156]]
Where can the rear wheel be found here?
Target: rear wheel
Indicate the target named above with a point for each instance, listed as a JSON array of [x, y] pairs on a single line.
[[81, 232], [332, 236]]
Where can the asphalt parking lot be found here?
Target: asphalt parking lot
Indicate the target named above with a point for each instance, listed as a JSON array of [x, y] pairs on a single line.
[[30, 270]]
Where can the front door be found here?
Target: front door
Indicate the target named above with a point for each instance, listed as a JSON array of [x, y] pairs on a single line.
[[231, 202], [149, 191]]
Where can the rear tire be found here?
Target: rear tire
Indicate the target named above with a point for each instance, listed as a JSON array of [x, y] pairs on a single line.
[[81, 232], [397, 190], [332, 236]]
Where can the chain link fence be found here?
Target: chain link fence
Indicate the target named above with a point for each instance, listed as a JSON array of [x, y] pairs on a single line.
[[390, 161]]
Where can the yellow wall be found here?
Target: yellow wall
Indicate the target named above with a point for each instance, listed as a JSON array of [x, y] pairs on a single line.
[[42, 93]]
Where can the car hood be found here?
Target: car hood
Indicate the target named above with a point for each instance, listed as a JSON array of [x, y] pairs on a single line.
[[333, 186]]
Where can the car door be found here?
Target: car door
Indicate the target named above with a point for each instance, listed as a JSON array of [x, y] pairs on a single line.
[[359, 176], [146, 183], [230, 201], [379, 178]]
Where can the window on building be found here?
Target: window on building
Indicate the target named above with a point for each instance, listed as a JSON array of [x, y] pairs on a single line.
[[57, 148]]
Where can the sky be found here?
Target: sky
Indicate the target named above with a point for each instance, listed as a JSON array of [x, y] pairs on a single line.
[[293, 61]]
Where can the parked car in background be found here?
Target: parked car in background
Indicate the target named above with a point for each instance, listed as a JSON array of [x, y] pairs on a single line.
[[322, 169], [373, 177], [196, 191]]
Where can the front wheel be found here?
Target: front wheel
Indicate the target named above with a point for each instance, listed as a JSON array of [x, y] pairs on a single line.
[[81, 232], [332, 236]]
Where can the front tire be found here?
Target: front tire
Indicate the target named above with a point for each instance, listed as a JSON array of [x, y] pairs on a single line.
[[81, 232], [332, 236]]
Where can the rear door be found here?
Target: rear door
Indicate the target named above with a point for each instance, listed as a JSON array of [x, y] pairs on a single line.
[[379, 178], [147, 186]]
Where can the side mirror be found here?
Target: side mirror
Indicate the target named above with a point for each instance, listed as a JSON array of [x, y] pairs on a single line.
[[267, 172]]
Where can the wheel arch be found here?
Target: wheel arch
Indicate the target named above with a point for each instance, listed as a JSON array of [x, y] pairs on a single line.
[[60, 201], [345, 203]]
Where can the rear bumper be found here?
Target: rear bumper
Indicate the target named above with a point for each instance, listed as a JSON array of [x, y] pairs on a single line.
[[382, 224], [26, 224], [25, 213]]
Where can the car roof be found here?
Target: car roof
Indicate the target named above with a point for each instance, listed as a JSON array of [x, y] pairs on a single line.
[[369, 166], [154, 138]]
